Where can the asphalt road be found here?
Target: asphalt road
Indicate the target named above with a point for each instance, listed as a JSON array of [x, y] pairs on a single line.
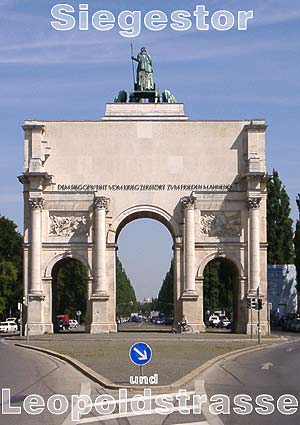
[[273, 371], [26, 372]]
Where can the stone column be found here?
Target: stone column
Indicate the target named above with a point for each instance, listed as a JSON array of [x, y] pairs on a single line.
[[188, 203], [101, 205], [253, 205], [35, 245]]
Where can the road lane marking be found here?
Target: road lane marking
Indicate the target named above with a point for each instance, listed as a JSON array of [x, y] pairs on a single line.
[[112, 416], [212, 418], [289, 350], [266, 366], [125, 415], [194, 423], [85, 389]]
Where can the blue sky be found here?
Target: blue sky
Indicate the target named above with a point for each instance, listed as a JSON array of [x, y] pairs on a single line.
[[46, 74]]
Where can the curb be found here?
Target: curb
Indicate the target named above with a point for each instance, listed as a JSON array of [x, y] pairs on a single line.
[[106, 383]]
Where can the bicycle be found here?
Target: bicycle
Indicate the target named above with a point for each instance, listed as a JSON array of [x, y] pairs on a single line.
[[183, 327]]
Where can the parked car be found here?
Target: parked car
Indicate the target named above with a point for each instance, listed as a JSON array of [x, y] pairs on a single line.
[[213, 320], [62, 325], [224, 322], [73, 323], [135, 319], [8, 327], [168, 321]]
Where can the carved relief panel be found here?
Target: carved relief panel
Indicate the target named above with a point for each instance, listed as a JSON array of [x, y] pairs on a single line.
[[221, 223], [67, 225]]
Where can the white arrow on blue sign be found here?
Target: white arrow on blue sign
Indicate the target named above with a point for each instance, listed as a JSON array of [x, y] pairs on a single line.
[[140, 353]]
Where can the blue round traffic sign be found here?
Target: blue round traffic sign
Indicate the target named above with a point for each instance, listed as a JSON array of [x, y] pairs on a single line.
[[140, 353]]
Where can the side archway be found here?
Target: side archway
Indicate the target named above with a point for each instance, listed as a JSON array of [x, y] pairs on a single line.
[[221, 282], [217, 255], [63, 255], [69, 290]]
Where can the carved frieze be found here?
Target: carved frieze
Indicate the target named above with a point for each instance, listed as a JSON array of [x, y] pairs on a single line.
[[220, 224], [67, 226]]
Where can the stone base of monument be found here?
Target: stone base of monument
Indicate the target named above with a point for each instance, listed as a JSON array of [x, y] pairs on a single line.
[[192, 310], [39, 328], [198, 327], [102, 328], [102, 317], [264, 327]]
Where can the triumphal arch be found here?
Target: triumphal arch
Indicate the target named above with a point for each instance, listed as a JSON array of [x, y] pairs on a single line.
[[85, 180]]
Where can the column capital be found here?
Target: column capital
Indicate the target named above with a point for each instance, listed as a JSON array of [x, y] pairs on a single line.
[[101, 202], [37, 203], [188, 202], [254, 202]]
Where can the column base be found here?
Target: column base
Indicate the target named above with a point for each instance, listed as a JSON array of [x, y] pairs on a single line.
[[101, 314], [36, 296], [198, 327], [39, 328], [101, 295], [189, 295], [264, 326], [103, 328]]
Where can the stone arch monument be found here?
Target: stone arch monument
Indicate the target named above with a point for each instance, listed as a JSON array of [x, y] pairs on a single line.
[[83, 181]]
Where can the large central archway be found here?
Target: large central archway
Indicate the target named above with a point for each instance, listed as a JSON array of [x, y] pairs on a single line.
[[145, 243]]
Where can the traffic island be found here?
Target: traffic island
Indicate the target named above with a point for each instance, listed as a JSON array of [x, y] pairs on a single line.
[[173, 357]]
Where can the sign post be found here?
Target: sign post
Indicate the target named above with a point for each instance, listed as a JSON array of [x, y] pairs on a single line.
[[258, 318], [140, 354], [78, 314]]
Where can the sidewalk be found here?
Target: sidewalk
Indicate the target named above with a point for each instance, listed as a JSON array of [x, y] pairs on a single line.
[[173, 355]]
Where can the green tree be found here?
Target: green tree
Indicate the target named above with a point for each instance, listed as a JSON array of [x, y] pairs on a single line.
[[8, 280], [11, 288], [166, 293], [126, 299], [279, 223], [297, 250]]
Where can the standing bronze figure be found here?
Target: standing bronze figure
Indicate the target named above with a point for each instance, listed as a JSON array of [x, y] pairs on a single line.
[[144, 70]]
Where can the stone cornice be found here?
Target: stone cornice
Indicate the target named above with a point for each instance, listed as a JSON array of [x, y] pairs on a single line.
[[26, 177], [40, 127], [256, 125]]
